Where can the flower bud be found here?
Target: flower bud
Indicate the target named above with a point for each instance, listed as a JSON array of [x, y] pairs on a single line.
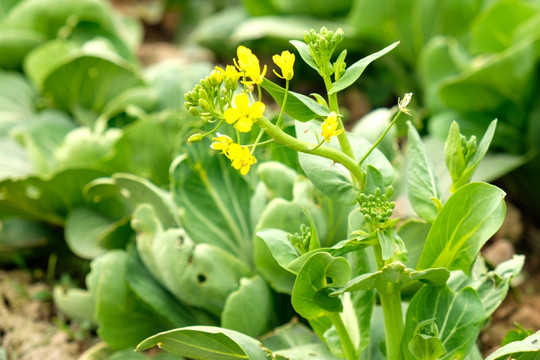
[[205, 105], [194, 111], [195, 138]]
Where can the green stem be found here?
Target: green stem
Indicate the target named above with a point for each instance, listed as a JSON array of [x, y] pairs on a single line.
[[302, 146], [390, 296], [278, 122], [346, 343], [333, 103], [380, 138]]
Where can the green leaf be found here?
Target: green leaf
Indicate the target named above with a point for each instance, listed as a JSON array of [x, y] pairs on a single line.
[[413, 232], [42, 136], [19, 234], [123, 320], [199, 274], [306, 352], [467, 220], [332, 179], [17, 101], [425, 347], [48, 199], [132, 191], [491, 286], [278, 178], [457, 317], [249, 309], [207, 343], [493, 30], [280, 246], [528, 349], [353, 72], [15, 44], [395, 272], [320, 271], [77, 303], [303, 50], [290, 335], [422, 183], [89, 233], [215, 201], [14, 162], [299, 107], [160, 300]]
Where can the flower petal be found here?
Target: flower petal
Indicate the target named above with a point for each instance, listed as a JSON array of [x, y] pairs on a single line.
[[256, 110], [244, 124], [242, 102], [231, 115]]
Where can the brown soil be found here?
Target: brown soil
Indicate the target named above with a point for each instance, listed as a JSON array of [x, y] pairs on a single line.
[[26, 328]]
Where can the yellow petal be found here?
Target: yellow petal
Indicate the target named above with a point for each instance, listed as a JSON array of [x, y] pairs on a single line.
[[244, 170], [244, 124], [231, 115], [256, 110], [241, 101]]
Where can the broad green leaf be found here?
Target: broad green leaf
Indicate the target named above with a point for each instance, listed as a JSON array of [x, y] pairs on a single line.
[[528, 349], [41, 61], [123, 320], [422, 183], [492, 80], [413, 232], [288, 336], [441, 58], [372, 125], [334, 180], [395, 272], [172, 79], [207, 343], [132, 191], [277, 277], [77, 303], [374, 180], [47, 199], [279, 245], [89, 233], [249, 309], [319, 272], [491, 286], [303, 50], [135, 100], [215, 201], [14, 162], [306, 352], [425, 347], [299, 107], [493, 30], [97, 351], [48, 17], [83, 147], [467, 220], [278, 178], [15, 44], [42, 136], [353, 72], [199, 274], [458, 317], [17, 101], [160, 300]]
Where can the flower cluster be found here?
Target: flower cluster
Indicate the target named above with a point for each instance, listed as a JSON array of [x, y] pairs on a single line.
[[240, 156], [376, 208], [214, 100]]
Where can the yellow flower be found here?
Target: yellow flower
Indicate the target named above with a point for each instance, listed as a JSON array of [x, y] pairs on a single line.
[[221, 142], [231, 77], [244, 115], [241, 158], [329, 127], [249, 64], [285, 61]]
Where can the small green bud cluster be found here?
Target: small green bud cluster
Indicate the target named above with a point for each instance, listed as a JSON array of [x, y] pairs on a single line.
[[377, 208], [208, 98], [468, 146], [301, 240], [322, 45]]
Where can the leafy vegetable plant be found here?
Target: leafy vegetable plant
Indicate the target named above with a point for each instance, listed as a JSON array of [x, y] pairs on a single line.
[[412, 289]]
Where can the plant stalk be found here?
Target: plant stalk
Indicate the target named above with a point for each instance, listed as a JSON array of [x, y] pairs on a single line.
[[346, 343], [390, 296]]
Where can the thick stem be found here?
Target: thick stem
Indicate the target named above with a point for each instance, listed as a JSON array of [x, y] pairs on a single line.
[[390, 296], [333, 103], [346, 342], [337, 156]]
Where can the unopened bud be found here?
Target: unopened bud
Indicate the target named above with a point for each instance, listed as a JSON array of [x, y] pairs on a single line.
[[194, 111], [205, 105], [195, 138]]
